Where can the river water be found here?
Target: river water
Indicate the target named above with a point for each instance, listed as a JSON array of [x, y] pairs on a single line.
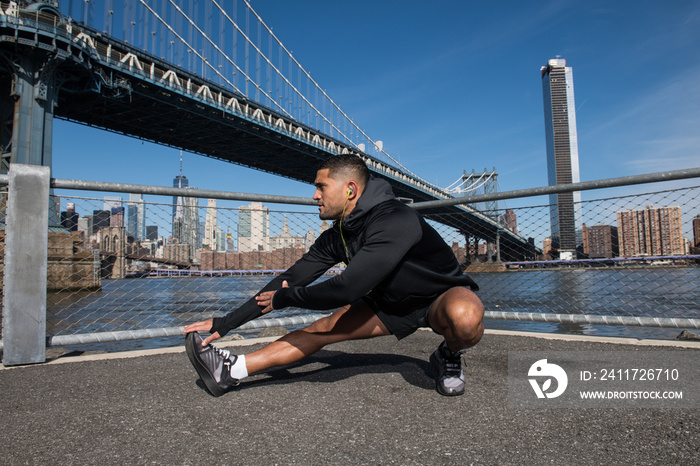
[[169, 302]]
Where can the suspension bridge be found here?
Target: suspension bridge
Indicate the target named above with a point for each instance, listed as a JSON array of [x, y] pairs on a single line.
[[206, 76]]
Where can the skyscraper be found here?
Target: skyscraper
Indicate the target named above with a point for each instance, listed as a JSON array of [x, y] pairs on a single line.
[[210, 227], [116, 217], [152, 233], [180, 181], [253, 228], [100, 219], [186, 223], [562, 155], [136, 217]]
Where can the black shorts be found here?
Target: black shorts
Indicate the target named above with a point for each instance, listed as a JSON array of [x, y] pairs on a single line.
[[402, 325]]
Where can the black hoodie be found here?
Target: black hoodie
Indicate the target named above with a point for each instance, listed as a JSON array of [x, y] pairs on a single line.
[[393, 257]]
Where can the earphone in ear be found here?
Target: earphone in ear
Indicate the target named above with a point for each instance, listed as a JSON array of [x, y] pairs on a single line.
[[350, 191]]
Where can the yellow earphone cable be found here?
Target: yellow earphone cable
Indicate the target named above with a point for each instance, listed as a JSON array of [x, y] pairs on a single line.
[[340, 226]]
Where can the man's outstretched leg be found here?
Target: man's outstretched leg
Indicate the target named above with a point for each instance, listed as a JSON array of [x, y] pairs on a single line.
[[458, 316], [220, 370]]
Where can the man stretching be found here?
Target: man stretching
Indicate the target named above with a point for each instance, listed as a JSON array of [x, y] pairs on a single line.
[[400, 276]]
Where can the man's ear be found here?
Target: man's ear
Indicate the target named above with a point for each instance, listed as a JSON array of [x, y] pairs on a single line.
[[352, 189]]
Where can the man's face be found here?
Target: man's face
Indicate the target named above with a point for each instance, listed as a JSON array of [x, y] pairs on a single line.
[[331, 196]]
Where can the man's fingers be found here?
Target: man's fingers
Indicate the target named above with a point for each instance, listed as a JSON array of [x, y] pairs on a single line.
[[210, 338], [202, 326], [264, 299]]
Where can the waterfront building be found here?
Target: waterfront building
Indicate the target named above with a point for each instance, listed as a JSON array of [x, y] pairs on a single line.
[[696, 232], [285, 239], [562, 155], [177, 252], [653, 231], [600, 241], [254, 228]]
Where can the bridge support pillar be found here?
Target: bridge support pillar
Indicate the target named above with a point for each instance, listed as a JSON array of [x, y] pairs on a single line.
[[27, 110]]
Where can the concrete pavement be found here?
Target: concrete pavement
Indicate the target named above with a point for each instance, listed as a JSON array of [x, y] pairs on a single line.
[[358, 402]]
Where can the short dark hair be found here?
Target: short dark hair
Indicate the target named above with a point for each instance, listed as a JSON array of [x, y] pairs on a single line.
[[349, 165]]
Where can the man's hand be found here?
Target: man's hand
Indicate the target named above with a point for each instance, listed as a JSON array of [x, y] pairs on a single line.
[[265, 299], [203, 326]]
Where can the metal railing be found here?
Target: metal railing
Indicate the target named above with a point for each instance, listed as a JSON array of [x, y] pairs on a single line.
[[143, 266]]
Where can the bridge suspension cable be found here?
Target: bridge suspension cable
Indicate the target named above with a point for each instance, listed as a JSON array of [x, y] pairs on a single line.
[[269, 62], [306, 73], [455, 188], [187, 28]]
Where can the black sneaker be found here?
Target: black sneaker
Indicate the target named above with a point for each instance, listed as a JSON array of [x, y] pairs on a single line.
[[212, 364], [450, 380]]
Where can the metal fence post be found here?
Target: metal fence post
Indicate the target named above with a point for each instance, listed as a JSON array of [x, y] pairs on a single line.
[[26, 251]]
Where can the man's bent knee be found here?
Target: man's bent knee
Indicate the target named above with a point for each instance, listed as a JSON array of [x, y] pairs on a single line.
[[458, 315]]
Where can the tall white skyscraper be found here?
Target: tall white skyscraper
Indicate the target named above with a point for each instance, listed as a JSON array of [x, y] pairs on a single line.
[[210, 228], [562, 155], [186, 222]]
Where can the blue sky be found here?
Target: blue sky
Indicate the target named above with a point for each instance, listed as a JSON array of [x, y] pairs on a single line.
[[454, 85]]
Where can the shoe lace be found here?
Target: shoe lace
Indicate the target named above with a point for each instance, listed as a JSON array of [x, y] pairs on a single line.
[[452, 362], [225, 354], [227, 364]]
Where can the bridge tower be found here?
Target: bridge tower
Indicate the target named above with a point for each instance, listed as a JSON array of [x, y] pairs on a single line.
[[473, 184], [113, 248], [28, 96], [27, 105], [482, 183]]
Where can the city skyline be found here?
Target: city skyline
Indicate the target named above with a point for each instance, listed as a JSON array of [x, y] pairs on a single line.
[[113, 213], [651, 231]]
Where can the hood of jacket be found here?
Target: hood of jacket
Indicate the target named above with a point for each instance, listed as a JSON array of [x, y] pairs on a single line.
[[376, 192]]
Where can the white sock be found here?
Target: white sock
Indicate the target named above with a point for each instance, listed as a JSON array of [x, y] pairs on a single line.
[[239, 370]]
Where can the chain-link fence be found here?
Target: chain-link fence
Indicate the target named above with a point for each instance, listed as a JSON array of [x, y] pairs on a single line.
[[127, 261], [164, 264], [636, 258]]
